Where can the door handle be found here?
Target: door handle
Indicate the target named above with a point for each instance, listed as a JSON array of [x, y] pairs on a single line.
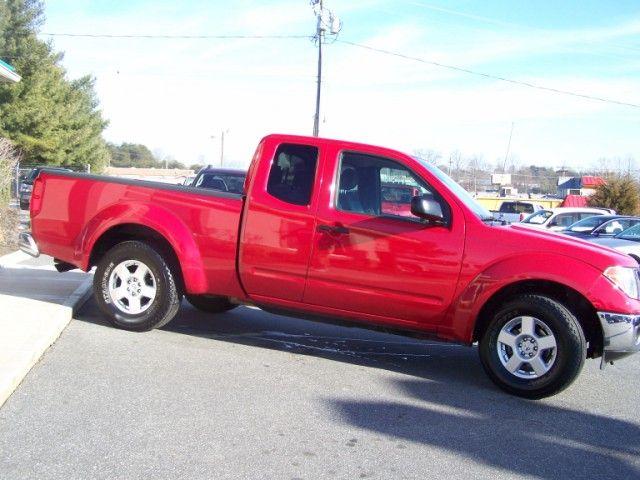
[[334, 229]]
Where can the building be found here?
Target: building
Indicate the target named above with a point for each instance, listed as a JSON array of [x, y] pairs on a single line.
[[583, 186], [8, 73]]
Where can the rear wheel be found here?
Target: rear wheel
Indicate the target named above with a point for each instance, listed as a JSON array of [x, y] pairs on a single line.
[[135, 287], [533, 347], [210, 303]]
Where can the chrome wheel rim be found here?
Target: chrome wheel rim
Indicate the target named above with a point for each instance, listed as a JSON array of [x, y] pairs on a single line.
[[132, 287], [527, 347]]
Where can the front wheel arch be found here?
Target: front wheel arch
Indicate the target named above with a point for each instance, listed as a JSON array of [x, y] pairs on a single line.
[[571, 299]]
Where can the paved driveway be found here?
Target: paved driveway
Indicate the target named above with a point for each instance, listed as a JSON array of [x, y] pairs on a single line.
[[253, 395]]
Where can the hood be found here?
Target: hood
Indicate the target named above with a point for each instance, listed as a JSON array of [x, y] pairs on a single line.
[[590, 252]]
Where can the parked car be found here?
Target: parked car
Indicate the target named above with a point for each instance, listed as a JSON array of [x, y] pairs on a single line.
[[556, 219], [515, 211], [627, 241], [27, 184], [221, 179], [600, 226], [308, 237], [188, 181]]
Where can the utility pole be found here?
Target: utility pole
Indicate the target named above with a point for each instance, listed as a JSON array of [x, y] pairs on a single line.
[[506, 156], [222, 148], [222, 134], [319, 36], [328, 24]]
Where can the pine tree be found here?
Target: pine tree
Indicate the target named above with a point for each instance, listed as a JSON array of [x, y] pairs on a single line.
[[53, 120], [621, 194]]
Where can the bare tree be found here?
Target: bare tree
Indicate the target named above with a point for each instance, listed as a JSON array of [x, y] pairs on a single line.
[[477, 168], [9, 157], [429, 155], [456, 164]]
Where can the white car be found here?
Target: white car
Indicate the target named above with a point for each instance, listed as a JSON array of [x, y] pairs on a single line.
[[557, 219]]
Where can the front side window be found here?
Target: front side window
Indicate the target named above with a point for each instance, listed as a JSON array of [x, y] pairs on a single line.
[[376, 186], [292, 173], [564, 220]]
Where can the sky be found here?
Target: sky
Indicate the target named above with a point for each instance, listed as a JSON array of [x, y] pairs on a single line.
[[177, 95]]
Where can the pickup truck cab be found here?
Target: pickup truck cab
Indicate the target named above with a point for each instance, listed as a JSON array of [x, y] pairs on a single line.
[[317, 232]]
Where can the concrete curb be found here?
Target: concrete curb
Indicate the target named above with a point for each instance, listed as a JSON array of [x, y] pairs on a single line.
[[13, 258], [29, 327], [80, 296]]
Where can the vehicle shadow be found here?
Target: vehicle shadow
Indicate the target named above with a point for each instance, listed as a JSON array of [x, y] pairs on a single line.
[[524, 437], [254, 327], [444, 400]]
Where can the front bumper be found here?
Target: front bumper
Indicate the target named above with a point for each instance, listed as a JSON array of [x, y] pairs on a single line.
[[621, 335], [27, 244]]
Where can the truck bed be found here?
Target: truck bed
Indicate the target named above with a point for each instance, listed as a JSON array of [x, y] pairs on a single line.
[[78, 209]]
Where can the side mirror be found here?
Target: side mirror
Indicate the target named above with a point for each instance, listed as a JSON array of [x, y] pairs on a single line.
[[428, 208]]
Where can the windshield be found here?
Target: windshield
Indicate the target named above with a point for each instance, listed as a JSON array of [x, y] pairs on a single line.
[[632, 233], [460, 192], [538, 218], [587, 225]]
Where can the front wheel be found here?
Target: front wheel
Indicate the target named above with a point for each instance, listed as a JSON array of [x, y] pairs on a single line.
[[533, 347], [135, 287]]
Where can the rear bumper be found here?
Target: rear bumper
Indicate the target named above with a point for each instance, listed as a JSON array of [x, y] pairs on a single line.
[[621, 335], [27, 244]]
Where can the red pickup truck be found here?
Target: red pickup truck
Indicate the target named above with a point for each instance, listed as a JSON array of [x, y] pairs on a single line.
[[315, 234]]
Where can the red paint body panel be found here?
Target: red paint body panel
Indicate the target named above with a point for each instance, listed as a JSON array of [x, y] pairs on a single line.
[[202, 229], [389, 271]]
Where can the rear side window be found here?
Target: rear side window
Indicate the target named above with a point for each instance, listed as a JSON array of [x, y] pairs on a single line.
[[292, 173]]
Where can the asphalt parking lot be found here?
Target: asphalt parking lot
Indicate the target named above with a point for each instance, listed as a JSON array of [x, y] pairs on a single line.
[[250, 395]]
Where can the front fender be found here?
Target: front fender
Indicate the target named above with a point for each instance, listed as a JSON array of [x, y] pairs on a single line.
[[460, 320], [157, 218]]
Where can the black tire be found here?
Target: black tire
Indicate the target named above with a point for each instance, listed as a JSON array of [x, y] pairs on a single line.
[[569, 354], [24, 205], [210, 303], [159, 311]]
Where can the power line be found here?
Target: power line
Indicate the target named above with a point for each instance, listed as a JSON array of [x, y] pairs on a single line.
[[490, 76], [188, 37]]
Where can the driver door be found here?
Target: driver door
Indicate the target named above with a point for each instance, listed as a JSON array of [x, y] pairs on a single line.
[[371, 256]]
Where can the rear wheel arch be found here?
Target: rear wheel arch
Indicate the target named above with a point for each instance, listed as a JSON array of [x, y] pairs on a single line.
[[131, 231], [571, 299]]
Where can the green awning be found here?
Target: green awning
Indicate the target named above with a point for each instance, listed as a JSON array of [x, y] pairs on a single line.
[[8, 73]]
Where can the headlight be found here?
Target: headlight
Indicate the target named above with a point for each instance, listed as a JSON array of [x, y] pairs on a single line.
[[626, 279]]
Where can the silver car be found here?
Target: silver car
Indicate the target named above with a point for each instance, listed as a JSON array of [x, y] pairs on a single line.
[[627, 241]]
